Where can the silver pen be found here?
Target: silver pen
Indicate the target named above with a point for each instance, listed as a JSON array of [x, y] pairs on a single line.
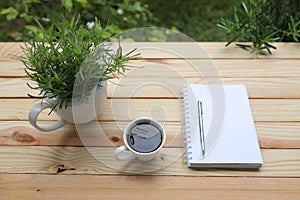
[[200, 117]]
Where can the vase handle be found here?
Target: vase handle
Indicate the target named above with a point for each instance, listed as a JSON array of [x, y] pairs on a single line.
[[34, 113]]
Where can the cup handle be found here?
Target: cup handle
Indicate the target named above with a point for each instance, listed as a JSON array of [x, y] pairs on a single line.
[[124, 157], [34, 113]]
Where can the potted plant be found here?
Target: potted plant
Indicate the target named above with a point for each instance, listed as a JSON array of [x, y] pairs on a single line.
[[70, 65]]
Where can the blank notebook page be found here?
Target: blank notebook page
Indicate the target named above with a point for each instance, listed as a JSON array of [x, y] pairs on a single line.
[[234, 142]]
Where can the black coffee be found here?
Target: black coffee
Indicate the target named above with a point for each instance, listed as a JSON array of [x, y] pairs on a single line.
[[144, 138]]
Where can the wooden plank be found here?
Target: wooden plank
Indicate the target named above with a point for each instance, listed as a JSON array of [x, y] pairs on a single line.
[[10, 50], [277, 123], [170, 87], [115, 109], [278, 135], [16, 87], [281, 135], [11, 68], [110, 134], [216, 50], [79, 160], [161, 87], [272, 110], [282, 110], [214, 67], [36, 186], [238, 68]]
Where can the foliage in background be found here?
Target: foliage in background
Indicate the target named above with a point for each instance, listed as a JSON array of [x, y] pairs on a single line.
[[262, 22], [67, 50], [257, 21], [196, 18], [17, 18]]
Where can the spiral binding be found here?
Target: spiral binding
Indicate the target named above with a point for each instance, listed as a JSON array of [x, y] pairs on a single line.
[[186, 124]]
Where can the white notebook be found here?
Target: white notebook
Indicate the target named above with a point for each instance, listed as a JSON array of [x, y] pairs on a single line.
[[228, 126]]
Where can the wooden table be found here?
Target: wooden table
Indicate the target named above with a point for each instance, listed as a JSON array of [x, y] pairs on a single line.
[[56, 165]]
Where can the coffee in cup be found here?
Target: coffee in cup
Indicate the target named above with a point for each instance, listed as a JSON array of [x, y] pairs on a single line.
[[143, 137]]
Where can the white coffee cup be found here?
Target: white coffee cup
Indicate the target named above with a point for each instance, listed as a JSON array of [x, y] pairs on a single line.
[[143, 156]]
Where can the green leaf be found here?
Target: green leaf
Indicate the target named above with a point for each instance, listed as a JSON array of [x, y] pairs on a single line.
[[245, 7], [82, 2], [114, 29], [68, 4], [11, 13], [27, 17], [32, 28], [175, 29], [222, 26], [137, 6], [106, 34]]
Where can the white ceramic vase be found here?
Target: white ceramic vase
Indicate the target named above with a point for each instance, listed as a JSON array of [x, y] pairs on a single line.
[[75, 112]]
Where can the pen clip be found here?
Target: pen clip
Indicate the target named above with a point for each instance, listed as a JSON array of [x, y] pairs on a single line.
[[201, 108]]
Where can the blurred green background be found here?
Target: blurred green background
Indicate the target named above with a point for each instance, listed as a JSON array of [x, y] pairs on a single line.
[[195, 18]]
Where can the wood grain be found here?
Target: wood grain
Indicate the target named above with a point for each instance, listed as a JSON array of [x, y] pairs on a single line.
[[10, 50], [35, 186], [57, 165], [77, 160], [160, 109], [162, 87], [215, 50], [280, 135], [11, 68], [108, 134], [170, 87], [237, 68]]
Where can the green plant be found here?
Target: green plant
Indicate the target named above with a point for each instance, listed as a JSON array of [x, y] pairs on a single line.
[[54, 59], [263, 22], [116, 15]]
